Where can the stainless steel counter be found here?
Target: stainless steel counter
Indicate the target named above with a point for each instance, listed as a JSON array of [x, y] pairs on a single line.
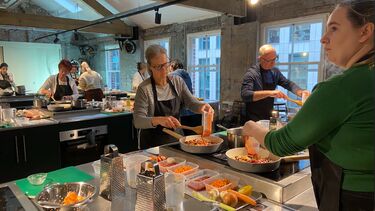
[[303, 201]]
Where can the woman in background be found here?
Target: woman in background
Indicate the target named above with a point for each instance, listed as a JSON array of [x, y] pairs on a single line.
[[91, 83], [60, 86], [139, 76]]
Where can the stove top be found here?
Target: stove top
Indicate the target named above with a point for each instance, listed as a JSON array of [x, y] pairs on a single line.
[[285, 170], [8, 200]]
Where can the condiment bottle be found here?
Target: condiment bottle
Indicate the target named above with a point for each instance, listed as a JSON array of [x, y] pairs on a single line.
[[273, 120]]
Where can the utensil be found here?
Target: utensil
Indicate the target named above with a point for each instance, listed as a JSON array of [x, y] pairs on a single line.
[[112, 178], [53, 98], [298, 102], [259, 167], [196, 149], [235, 137], [197, 129], [52, 196], [150, 188]]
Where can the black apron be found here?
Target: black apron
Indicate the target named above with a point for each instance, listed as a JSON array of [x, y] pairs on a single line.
[[62, 90], [326, 178], [261, 109], [155, 136]]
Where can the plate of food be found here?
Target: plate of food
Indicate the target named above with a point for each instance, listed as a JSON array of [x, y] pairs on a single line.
[[263, 161]]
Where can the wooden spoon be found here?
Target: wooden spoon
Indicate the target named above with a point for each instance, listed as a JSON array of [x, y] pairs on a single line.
[[172, 133], [298, 102], [197, 129]]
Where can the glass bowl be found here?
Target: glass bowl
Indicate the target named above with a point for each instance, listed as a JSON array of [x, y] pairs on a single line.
[[37, 179]]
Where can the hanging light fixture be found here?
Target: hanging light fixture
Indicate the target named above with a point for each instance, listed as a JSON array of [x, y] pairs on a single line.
[[56, 40], [157, 16]]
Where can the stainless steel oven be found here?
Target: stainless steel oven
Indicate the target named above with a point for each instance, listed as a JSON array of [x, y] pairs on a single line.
[[82, 145]]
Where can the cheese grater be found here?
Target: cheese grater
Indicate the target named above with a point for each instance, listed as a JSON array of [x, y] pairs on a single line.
[[150, 188], [112, 177]]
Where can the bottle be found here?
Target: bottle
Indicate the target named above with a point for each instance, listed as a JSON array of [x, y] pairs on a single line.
[[274, 120]]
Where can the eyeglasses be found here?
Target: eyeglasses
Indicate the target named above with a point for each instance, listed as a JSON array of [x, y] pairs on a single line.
[[271, 60], [161, 66]]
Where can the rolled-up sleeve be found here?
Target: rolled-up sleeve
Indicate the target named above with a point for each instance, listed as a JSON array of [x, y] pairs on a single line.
[[140, 115], [247, 88], [287, 84]]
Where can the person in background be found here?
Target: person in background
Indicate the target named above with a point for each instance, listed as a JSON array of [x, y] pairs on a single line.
[[5, 75], [91, 83], [259, 84], [177, 68], [140, 75], [336, 122], [60, 86], [159, 100], [74, 72]]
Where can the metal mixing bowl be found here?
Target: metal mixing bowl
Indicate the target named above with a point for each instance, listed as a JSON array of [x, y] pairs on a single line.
[[52, 197]]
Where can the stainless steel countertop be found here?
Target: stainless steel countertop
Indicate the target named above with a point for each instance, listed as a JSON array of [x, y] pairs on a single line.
[[304, 201]]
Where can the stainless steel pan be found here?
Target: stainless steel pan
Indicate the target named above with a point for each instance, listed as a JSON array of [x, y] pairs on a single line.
[[196, 149], [262, 167], [235, 137]]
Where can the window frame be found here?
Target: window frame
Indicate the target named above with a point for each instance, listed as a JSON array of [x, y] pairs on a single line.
[[107, 72], [190, 68], [296, 21]]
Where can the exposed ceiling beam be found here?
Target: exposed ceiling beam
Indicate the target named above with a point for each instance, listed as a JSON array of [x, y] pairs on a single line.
[[105, 12], [231, 7], [50, 22]]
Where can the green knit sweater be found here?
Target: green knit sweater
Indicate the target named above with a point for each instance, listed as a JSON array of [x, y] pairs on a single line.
[[339, 118]]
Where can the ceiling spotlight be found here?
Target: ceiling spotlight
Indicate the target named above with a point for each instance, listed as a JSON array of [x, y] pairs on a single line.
[[56, 40], [253, 2], [157, 16]]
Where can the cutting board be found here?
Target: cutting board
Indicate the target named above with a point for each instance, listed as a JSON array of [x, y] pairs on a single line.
[[68, 174]]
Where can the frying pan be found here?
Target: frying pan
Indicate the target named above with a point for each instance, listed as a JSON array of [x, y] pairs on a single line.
[[196, 149], [259, 167]]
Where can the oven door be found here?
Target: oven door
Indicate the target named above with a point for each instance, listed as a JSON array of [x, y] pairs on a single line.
[[82, 145]]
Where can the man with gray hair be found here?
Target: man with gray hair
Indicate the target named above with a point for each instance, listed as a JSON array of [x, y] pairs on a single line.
[[259, 85]]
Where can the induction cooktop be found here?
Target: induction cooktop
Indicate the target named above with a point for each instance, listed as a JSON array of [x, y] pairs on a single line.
[[8, 201]]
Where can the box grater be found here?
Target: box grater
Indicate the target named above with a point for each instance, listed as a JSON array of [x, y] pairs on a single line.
[[150, 188], [112, 177]]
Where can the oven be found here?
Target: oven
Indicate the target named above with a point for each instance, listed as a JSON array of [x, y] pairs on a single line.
[[82, 145]]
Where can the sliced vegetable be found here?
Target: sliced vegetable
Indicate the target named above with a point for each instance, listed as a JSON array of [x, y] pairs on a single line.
[[243, 197], [220, 183], [246, 190], [200, 197]]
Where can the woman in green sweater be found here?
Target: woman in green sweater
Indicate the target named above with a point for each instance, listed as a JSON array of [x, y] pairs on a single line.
[[336, 122]]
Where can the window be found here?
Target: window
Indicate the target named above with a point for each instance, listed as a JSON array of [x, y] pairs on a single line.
[[204, 43], [204, 64], [163, 42], [299, 49], [113, 68]]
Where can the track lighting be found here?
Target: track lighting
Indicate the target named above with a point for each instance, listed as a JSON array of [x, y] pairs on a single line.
[[157, 16]]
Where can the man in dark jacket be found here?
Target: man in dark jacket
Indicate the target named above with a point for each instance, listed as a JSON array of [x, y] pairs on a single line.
[[259, 85]]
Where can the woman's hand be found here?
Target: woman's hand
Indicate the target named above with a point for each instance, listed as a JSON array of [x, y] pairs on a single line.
[[207, 108], [255, 130], [166, 121]]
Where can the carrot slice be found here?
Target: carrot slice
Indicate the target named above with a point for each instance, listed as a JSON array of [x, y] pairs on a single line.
[[243, 197]]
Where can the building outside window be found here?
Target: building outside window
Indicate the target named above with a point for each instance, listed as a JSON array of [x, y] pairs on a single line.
[[113, 68], [297, 44], [204, 64], [163, 42]]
